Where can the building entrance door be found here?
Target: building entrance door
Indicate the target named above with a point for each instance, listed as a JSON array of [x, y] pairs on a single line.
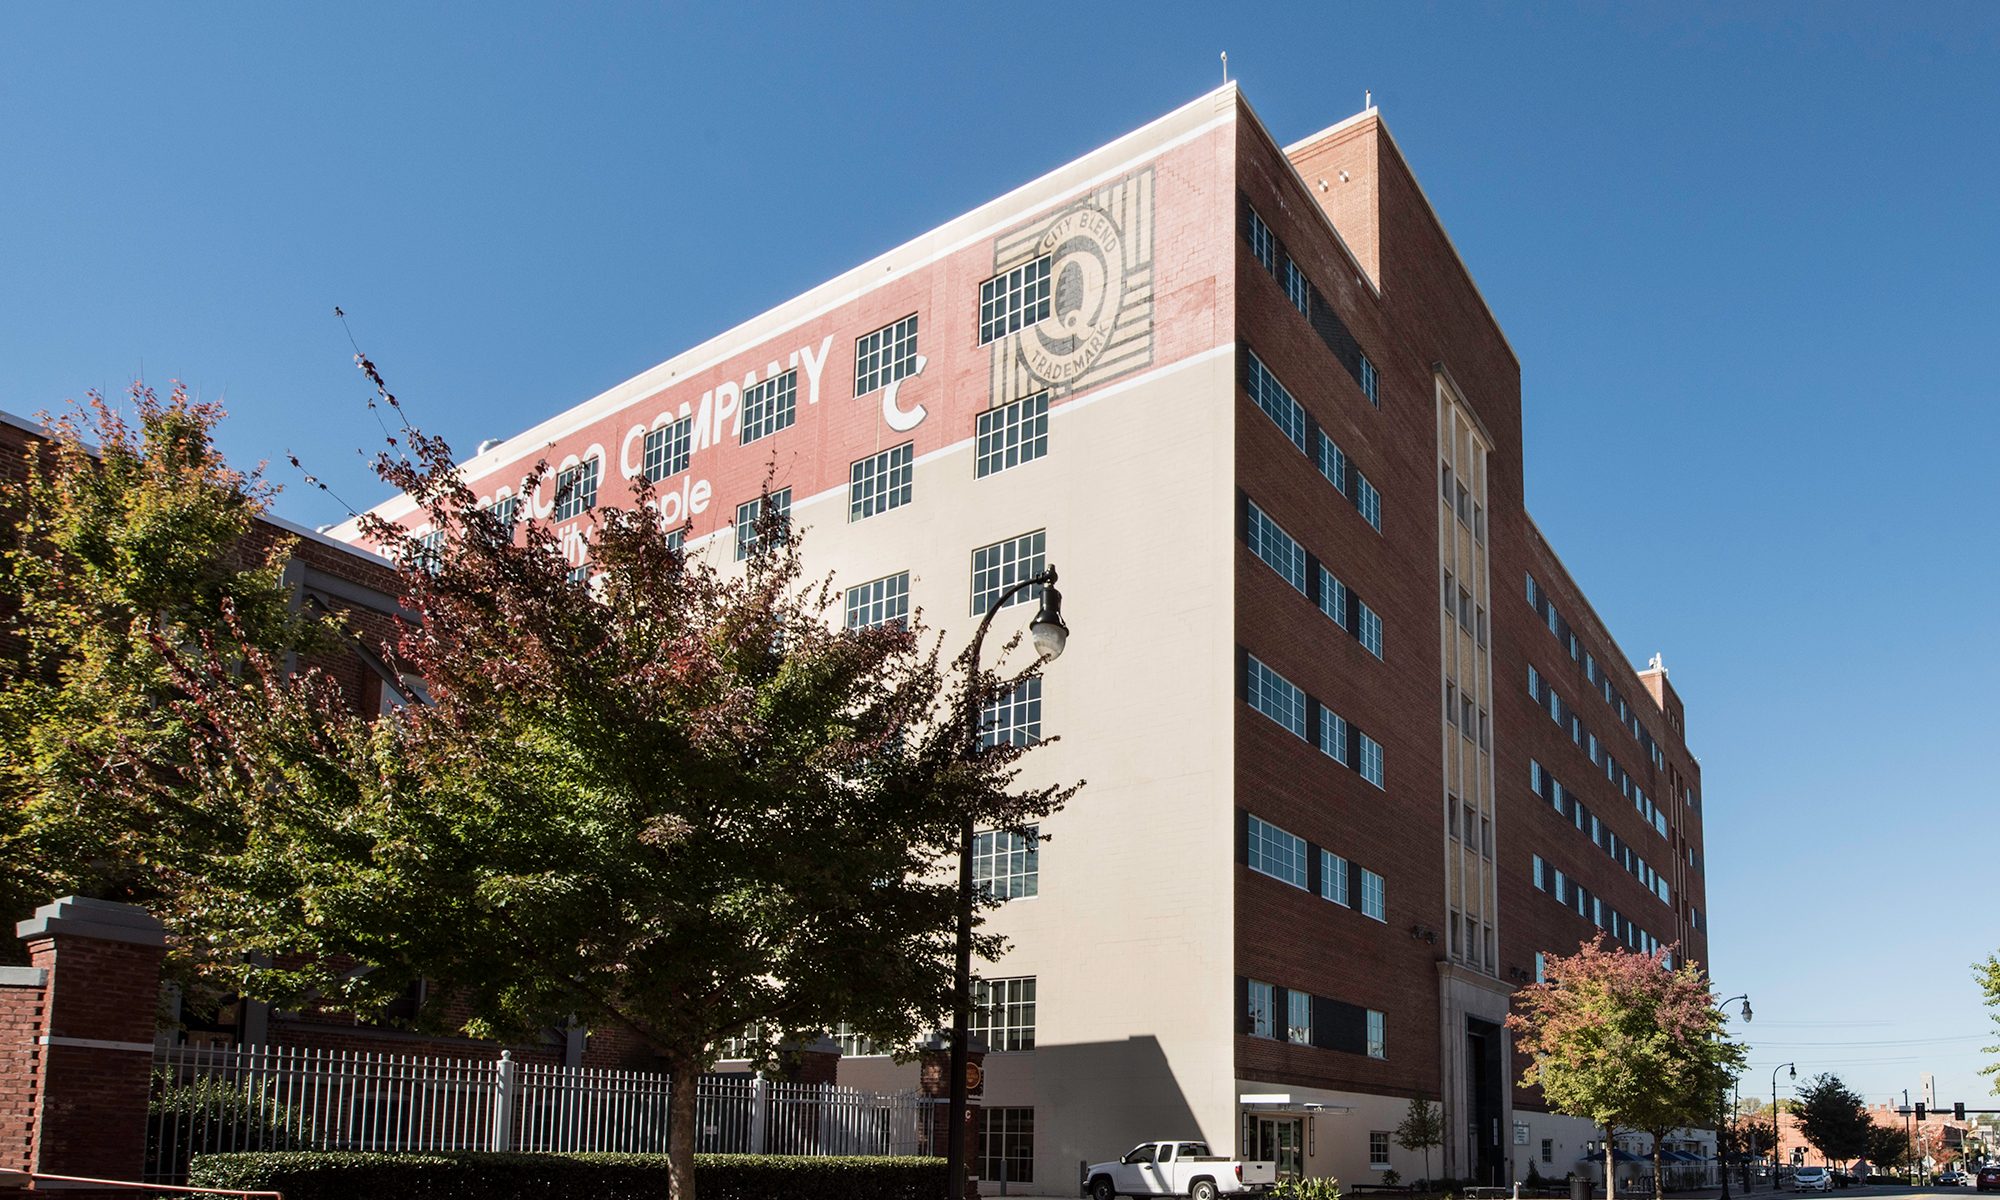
[[1281, 1140]]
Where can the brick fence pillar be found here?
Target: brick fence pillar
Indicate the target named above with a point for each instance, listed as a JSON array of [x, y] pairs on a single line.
[[21, 1002], [100, 963], [811, 1062], [934, 1082]]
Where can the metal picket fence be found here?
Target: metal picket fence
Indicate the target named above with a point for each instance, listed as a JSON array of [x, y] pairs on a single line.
[[212, 1100]]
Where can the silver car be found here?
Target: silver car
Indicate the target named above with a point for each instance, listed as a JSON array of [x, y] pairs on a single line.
[[1812, 1179]]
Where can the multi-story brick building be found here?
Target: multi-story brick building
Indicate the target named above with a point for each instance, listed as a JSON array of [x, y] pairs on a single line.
[[1358, 749]]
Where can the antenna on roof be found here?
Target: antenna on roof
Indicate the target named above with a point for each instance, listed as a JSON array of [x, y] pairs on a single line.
[[1225, 66], [1367, 99]]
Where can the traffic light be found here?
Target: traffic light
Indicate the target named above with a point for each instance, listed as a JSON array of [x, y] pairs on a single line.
[[1958, 1111], [1920, 1110]]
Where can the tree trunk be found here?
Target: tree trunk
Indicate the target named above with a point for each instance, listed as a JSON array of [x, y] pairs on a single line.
[[1610, 1165], [685, 1075], [1659, 1168]]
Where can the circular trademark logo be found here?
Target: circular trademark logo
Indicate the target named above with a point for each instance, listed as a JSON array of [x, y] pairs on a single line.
[[1087, 286]]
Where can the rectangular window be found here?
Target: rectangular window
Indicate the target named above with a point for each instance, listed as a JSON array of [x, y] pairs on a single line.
[[1011, 435], [1368, 500], [1333, 737], [428, 552], [576, 490], [1370, 631], [1299, 1017], [1007, 1144], [1015, 718], [886, 355], [1332, 463], [1378, 1148], [1263, 243], [1276, 853], [1371, 760], [1297, 290], [1333, 597], [1548, 1144], [668, 448], [852, 1044], [1371, 382], [1276, 547], [1000, 566], [749, 515], [1277, 698], [1541, 874], [1007, 862], [1014, 300], [1003, 1013], [1374, 896], [1333, 877], [1378, 1035], [1263, 1009], [506, 511], [879, 482], [1541, 967], [1278, 404], [884, 601], [770, 406]]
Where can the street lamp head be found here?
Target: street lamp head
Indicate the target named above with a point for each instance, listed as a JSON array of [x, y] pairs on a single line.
[[1794, 1071], [1746, 1010], [1047, 630]]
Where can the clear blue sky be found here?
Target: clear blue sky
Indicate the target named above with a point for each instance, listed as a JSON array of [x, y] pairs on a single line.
[[1748, 260]]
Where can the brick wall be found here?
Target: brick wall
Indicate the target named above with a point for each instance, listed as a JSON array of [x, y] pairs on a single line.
[[22, 1004]]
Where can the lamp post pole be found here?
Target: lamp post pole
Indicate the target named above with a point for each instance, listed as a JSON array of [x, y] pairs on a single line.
[[1729, 1117], [1776, 1135], [1049, 634]]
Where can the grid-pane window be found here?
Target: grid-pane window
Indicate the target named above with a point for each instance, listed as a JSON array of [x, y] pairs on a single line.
[[852, 1044], [879, 482], [1007, 1144], [749, 515], [1263, 243], [770, 406], [1297, 290], [1276, 853], [998, 567], [884, 601], [1374, 896], [1015, 718], [506, 511], [888, 354], [1378, 1035], [1370, 630], [1277, 698], [576, 490], [1371, 382], [427, 551], [1011, 435], [1278, 404], [1299, 1017], [1333, 597], [1371, 760], [1263, 1009], [1332, 463], [1003, 1012], [1378, 1148], [1007, 862], [668, 448], [1368, 500], [1333, 877], [1333, 736], [1276, 547], [1014, 300]]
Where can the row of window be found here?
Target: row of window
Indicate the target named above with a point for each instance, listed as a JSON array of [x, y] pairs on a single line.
[[1566, 717], [1311, 304], [1289, 1015], [1312, 722], [996, 569], [1574, 811], [1283, 554], [1600, 679], [1293, 421], [1573, 895], [1289, 858]]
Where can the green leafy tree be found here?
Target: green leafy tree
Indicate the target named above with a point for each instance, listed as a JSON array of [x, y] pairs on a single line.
[[1832, 1117], [1988, 976], [129, 531], [1620, 1039], [674, 798], [1888, 1147], [1422, 1129]]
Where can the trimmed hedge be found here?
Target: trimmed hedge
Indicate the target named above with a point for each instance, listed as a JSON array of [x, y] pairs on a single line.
[[475, 1175]]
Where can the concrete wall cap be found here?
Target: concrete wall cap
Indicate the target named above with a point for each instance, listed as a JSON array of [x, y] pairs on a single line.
[[104, 920], [33, 977]]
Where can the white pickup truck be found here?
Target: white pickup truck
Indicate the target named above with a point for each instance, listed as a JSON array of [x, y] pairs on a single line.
[[1176, 1169]]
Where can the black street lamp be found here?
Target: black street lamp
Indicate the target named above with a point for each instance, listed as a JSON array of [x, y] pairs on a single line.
[[1730, 1116], [1049, 635], [1776, 1136]]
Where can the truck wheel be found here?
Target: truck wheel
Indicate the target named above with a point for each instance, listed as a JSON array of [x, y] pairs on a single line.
[[1202, 1189], [1100, 1188]]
